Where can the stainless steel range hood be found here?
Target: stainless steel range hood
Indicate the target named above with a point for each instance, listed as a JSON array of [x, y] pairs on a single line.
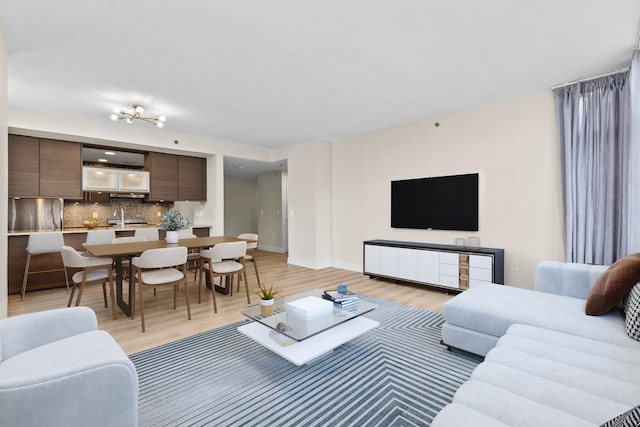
[[127, 195]]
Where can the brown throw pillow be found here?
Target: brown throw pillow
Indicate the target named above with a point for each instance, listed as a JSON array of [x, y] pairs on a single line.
[[614, 284]]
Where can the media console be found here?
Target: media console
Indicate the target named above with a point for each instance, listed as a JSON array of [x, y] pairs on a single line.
[[444, 266]]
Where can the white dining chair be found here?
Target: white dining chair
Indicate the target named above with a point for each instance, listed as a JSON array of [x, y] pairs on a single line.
[[161, 267], [223, 259], [251, 252], [147, 233], [95, 270], [40, 244]]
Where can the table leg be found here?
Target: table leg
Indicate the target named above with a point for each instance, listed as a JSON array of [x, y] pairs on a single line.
[[221, 290], [124, 305]]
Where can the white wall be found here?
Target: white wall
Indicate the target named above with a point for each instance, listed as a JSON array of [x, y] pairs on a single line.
[[270, 212], [240, 206], [3, 171], [309, 202], [512, 145]]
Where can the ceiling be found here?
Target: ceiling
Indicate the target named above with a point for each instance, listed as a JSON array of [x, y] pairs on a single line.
[[281, 72]]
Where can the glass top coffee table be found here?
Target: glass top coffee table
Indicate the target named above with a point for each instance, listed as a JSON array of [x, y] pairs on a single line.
[[305, 327]]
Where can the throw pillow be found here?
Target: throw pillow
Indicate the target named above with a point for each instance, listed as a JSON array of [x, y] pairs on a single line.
[[631, 418], [613, 285], [632, 313]]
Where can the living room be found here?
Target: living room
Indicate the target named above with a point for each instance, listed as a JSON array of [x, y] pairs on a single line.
[[338, 186]]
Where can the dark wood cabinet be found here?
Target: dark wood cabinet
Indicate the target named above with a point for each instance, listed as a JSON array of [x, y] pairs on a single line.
[[44, 168], [192, 178], [177, 178], [24, 166], [60, 169], [163, 177]]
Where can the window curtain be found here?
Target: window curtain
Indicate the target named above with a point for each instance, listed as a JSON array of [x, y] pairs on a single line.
[[634, 170], [593, 127]]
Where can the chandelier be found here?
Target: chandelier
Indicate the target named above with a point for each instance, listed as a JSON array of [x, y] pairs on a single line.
[[120, 114]]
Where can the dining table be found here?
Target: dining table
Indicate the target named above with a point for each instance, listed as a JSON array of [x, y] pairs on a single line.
[[120, 251]]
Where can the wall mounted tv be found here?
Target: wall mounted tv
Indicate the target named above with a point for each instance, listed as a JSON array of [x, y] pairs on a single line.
[[438, 203]]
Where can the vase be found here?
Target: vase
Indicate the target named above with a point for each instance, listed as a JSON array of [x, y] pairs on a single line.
[[266, 307], [172, 237]]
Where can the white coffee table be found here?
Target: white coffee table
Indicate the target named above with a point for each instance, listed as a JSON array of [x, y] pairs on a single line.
[[306, 341]]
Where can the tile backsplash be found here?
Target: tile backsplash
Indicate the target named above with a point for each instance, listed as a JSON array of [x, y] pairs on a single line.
[[76, 212]]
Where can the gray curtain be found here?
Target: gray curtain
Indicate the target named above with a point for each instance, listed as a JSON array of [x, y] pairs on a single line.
[[634, 172], [593, 127]]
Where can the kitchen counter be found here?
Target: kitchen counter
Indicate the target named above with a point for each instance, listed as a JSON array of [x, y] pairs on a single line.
[[83, 229]]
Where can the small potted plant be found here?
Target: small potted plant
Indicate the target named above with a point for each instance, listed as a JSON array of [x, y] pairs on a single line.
[[172, 221], [266, 299]]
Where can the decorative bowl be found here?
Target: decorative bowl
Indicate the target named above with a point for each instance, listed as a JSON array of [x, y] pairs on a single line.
[[90, 223]]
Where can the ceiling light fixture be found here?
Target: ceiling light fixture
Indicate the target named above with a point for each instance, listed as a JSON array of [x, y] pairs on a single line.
[[120, 114]]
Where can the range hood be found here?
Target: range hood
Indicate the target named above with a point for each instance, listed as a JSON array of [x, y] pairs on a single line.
[[127, 195]]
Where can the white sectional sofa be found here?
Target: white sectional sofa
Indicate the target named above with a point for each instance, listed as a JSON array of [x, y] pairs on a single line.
[[546, 362]]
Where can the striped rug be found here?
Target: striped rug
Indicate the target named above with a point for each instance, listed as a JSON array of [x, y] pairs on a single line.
[[395, 375]]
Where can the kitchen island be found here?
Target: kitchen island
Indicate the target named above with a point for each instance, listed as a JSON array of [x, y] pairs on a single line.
[[74, 237]]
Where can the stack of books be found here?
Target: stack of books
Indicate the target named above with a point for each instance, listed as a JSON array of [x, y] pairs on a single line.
[[342, 300]]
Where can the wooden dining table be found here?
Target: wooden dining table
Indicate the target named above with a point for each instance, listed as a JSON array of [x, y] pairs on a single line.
[[120, 251]]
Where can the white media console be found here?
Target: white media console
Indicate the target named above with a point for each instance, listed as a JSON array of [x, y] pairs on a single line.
[[444, 266]]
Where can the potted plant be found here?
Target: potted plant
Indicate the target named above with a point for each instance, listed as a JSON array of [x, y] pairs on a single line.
[[266, 299], [172, 221]]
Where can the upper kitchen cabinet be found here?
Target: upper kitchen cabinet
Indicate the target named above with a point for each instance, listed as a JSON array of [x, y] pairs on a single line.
[[163, 174], [24, 166], [177, 178], [60, 169], [44, 168], [192, 178]]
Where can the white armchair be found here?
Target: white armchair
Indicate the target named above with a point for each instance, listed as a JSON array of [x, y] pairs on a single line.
[[57, 369]]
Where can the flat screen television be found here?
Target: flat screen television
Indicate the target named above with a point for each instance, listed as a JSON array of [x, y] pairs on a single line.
[[438, 203]]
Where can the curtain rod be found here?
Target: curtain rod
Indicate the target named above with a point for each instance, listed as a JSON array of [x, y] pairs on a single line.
[[590, 78]]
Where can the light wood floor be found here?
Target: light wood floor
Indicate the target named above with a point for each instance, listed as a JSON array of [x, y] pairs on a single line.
[[163, 324]]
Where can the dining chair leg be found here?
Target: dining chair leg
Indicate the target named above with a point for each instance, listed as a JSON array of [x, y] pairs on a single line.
[[141, 306], [255, 267], [213, 291], [231, 285], [26, 275], [186, 291], [200, 286], [104, 293], [175, 295], [73, 291], [112, 292], [81, 290], [246, 284]]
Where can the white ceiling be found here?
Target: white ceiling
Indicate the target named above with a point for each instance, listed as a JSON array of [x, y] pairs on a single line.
[[280, 72]]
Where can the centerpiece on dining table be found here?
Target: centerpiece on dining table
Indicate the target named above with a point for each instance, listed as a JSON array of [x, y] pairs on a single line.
[[171, 222]]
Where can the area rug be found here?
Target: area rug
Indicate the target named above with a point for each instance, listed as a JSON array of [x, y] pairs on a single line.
[[396, 375]]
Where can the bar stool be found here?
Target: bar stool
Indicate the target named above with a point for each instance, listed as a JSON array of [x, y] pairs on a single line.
[[40, 244], [147, 233]]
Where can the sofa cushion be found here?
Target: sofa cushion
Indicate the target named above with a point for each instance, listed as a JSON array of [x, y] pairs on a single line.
[[614, 284], [458, 415], [492, 309], [511, 408], [632, 313], [577, 402]]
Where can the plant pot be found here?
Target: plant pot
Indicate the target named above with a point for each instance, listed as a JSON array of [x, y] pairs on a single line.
[[266, 307], [172, 237]]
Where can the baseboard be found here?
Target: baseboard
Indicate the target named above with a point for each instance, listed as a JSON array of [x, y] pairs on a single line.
[[348, 266], [271, 249], [307, 264]]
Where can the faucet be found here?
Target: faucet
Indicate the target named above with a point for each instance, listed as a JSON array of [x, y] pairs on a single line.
[[121, 216]]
